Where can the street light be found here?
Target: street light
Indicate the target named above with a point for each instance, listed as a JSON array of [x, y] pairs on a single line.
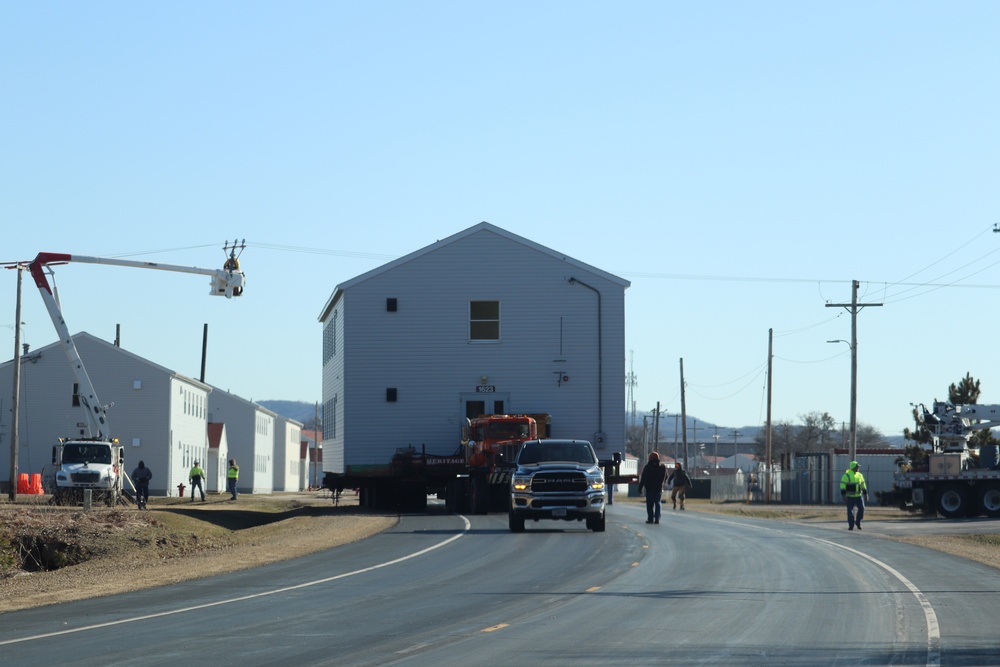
[[853, 437]]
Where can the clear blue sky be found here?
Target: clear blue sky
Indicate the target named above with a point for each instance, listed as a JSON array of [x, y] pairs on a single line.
[[739, 162]]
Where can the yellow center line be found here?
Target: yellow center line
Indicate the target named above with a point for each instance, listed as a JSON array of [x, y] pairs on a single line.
[[501, 626]]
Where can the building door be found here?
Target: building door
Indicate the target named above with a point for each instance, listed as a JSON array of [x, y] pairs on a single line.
[[477, 404]]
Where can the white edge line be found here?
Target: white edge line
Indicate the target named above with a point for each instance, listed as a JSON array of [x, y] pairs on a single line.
[[208, 605], [933, 629]]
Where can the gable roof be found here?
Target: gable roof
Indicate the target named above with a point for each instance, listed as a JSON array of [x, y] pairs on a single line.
[[221, 394], [84, 336], [215, 431], [475, 229]]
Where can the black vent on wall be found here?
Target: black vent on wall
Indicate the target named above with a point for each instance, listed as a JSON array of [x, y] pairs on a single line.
[[390, 305], [390, 394]]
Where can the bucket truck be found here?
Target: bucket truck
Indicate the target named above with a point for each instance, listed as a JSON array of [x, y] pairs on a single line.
[[957, 481], [96, 462]]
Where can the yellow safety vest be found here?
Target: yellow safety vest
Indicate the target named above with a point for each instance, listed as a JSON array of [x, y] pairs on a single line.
[[853, 483]]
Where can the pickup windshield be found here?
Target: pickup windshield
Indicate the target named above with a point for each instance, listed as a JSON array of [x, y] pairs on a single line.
[[540, 452]]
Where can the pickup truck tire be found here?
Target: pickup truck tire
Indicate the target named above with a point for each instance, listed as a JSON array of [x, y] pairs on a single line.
[[989, 500], [597, 524], [953, 501], [516, 523]]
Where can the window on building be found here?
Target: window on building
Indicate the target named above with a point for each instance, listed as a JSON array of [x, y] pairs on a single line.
[[330, 339], [484, 320]]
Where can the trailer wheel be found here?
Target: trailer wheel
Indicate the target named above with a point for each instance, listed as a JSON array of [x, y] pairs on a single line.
[[480, 500], [414, 498], [457, 500], [953, 501], [516, 523], [989, 500]]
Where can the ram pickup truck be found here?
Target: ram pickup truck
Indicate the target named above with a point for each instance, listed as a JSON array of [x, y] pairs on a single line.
[[557, 479]]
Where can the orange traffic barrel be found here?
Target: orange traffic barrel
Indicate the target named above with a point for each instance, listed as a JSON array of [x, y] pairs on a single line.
[[35, 487], [22, 483]]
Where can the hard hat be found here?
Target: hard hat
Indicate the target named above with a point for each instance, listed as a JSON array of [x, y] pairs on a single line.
[[855, 464], [196, 463]]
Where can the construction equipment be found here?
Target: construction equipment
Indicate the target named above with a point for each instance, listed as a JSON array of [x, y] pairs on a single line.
[[96, 462], [957, 480]]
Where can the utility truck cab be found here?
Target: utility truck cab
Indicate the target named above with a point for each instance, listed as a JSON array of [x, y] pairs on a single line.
[[83, 464]]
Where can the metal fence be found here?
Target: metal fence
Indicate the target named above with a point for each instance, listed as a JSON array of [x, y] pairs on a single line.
[[814, 480]]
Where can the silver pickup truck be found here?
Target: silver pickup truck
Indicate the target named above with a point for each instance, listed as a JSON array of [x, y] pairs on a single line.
[[557, 479]]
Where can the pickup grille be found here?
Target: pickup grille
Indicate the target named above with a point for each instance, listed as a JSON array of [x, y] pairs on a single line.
[[559, 482], [90, 477], [564, 501]]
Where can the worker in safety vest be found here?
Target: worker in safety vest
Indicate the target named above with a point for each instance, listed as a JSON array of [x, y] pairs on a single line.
[[854, 490], [232, 476], [196, 475]]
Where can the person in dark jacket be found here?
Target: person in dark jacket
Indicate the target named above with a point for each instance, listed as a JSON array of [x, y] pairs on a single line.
[[651, 479], [141, 477], [681, 482]]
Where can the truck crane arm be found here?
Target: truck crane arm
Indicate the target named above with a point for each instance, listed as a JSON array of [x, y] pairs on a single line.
[[228, 281], [953, 424]]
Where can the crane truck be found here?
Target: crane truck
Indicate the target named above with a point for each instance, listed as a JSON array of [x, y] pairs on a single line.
[[96, 461], [957, 480], [475, 478]]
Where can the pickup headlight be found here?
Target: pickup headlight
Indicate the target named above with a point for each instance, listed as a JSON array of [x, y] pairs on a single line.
[[596, 483], [521, 483]]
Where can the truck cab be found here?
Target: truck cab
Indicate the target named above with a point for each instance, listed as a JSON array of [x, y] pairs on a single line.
[[85, 463], [560, 480]]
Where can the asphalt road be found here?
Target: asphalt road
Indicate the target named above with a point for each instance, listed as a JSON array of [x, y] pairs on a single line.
[[698, 589]]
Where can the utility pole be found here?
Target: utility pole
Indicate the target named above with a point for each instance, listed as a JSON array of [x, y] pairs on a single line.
[[736, 449], [770, 366], [17, 389], [677, 453], [631, 380], [854, 307], [656, 430], [684, 427], [694, 437]]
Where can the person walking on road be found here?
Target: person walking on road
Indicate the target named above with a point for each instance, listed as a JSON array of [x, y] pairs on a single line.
[[195, 476], [680, 481], [141, 477], [232, 476], [854, 490], [653, 474]]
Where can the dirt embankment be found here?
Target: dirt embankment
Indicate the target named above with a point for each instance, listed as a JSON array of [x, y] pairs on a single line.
[[56, 554]]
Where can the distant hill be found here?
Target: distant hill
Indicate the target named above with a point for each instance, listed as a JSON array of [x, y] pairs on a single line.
[[300, 411]]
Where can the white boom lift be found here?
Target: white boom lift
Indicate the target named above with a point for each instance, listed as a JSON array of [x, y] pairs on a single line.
[[97, 462]]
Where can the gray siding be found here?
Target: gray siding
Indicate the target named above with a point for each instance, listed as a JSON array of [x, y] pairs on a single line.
[[250, 436], [287, 454], [548, 331], [144, 416]]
